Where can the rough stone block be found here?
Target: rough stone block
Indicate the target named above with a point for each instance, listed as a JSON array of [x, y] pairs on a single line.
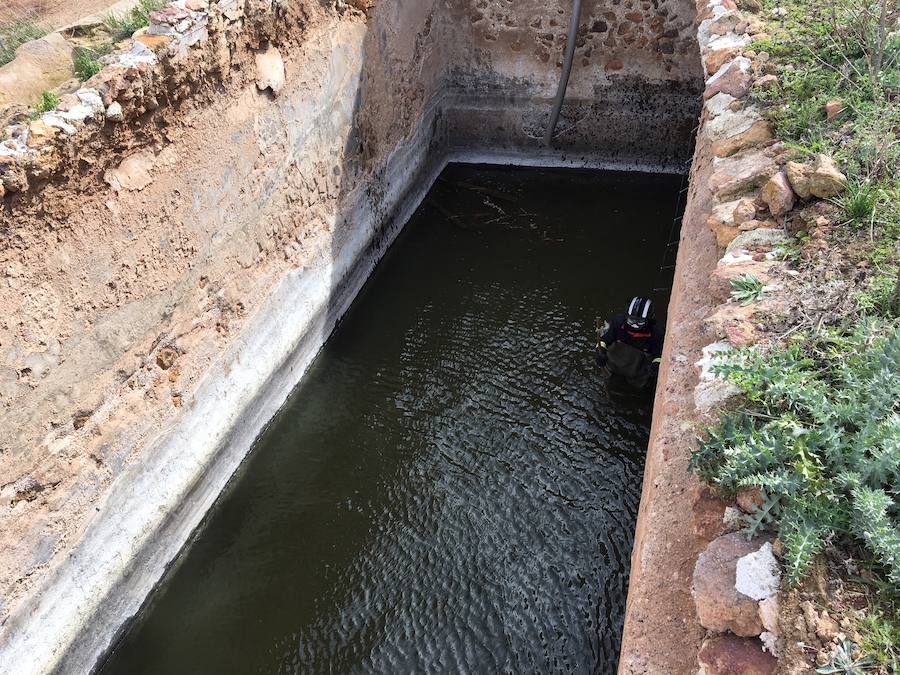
[[731, 655], [720, 606]]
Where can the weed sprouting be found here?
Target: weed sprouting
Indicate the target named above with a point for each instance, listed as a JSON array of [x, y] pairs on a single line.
[[746, 289], [859, 202], [87, 62], [123, 26], [49, 101]]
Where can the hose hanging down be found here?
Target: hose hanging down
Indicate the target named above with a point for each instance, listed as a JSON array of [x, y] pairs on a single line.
[[566, 71]]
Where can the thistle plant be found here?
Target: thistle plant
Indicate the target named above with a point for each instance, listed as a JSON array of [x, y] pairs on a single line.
[[819, 435]]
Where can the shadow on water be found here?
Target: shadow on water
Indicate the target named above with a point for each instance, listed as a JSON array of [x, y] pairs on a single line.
[[450, 488]]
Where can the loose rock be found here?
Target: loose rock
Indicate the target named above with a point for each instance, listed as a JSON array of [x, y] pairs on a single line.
[[769, 611], [166, 358], [749, 499], [741, 172], [114, 112], [766, 83], [827, 629], [720, 606], [798, 177], [826, 180], [270, 70], [777, 193], [731, 655], [732, 78], [760, 238], [833, 109]]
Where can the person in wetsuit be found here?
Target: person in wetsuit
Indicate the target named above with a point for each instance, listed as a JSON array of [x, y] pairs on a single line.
[[630, 344]]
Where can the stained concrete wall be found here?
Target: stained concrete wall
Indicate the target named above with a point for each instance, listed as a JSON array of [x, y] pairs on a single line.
[[169, 278]]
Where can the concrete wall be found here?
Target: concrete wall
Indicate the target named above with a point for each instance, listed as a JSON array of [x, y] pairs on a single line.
[[167, 279]]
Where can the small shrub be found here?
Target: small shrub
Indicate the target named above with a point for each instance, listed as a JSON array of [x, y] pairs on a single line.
[[746, 289], [87, 63], [820, 437], [16, 33]]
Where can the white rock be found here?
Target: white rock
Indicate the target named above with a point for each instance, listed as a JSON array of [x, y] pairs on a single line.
[[758, 574], [138, 54], [713, 394], [769, 642], [54, 120], [114, 112], [729, 123], [90, 98], [729, 41], [719, 103], [703, 34], [270, 70], [712, 391], [710, 354], [231, 9]]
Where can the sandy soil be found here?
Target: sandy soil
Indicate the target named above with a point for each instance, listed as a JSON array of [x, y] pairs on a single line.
[[51, 14]]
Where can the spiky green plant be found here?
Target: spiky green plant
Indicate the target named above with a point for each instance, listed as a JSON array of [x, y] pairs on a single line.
[[820, 436], [844, 663], [746, 289]]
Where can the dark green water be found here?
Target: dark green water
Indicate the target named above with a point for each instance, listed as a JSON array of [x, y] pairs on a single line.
[[450, 489]]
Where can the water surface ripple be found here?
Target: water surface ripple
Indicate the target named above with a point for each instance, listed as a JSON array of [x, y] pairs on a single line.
[[450, 489]]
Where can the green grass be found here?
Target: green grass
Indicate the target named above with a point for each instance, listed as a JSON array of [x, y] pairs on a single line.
[[87, 63], [823, 51], [859, 202], [879, 628], [16, 33], [123, 26]]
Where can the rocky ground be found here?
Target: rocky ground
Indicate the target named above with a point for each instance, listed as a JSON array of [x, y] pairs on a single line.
[[778, 219]]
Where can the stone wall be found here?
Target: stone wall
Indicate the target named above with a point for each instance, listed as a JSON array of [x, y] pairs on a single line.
[[179, 237], [701, 592]]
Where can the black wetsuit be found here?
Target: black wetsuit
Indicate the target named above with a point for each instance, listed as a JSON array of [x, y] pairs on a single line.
[[649, 341]]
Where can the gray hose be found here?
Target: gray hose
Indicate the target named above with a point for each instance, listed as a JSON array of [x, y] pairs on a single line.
[[566, 71]]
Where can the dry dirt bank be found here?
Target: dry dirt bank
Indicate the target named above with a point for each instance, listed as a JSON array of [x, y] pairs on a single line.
[[180, 235]]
